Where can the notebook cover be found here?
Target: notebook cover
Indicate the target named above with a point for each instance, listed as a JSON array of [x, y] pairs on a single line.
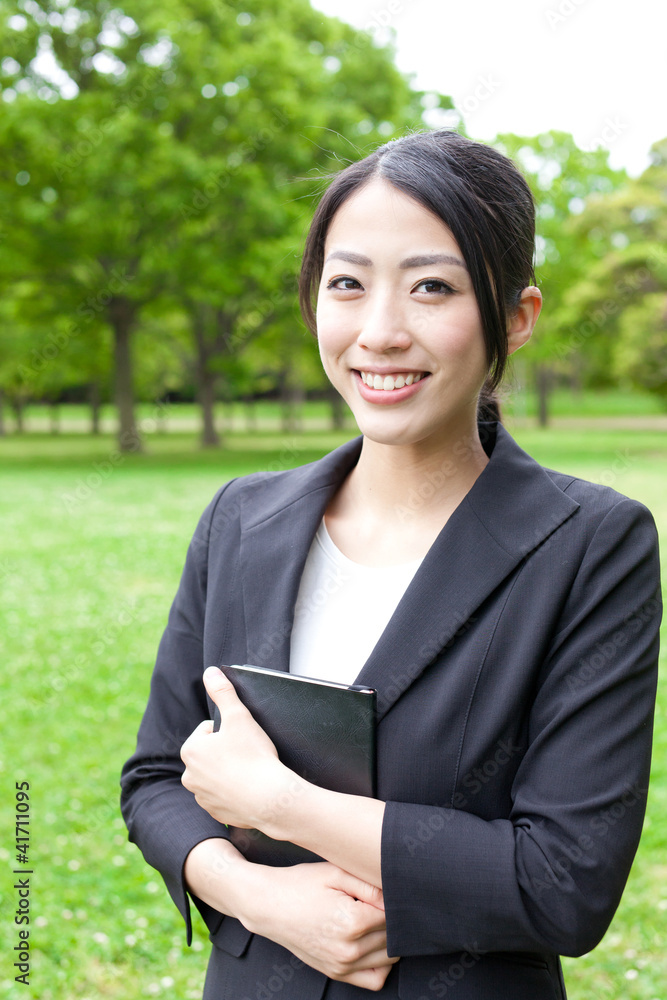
[[322, 730]]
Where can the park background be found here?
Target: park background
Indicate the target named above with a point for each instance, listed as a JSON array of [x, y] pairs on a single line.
[[160, 163]]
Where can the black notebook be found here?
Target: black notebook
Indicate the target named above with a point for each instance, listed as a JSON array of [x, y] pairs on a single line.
[[322, 730]]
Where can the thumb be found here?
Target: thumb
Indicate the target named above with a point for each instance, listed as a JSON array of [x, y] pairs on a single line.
[[217, 685]]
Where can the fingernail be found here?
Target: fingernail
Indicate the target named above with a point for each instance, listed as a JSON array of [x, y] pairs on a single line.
[[211, 672]]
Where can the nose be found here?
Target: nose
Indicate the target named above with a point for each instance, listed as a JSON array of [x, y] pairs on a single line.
[[383, 327]]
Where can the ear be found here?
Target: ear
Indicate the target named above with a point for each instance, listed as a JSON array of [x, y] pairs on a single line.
[[524, 318]]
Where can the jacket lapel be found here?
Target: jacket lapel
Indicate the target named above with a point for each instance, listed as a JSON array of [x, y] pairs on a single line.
[[512, 508], [280, 514]]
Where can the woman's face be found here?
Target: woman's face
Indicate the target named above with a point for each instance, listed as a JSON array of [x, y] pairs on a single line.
[[398, 325]]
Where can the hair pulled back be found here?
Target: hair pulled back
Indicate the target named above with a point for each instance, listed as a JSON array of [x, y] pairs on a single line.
[[479, 194]]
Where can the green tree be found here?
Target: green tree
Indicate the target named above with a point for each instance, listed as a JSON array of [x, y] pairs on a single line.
[[168, 138], [563, 179], [619, 309]]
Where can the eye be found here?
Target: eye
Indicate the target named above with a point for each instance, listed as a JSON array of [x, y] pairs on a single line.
[[434, 286], [344, 284]]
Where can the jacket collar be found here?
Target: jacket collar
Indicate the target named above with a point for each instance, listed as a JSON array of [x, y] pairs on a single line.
[[512, 508]]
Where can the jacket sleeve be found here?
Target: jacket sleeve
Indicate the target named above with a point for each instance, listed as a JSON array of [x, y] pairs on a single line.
[[162, 817], [551, 874]]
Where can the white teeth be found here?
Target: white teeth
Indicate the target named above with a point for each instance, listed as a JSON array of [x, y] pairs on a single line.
[[389, 382]]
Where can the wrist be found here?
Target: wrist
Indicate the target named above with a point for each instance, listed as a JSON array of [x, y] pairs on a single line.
[[280, 817], [219, 875]]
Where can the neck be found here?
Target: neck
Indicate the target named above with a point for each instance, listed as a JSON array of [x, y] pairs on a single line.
[[397, 499], [395, 482]]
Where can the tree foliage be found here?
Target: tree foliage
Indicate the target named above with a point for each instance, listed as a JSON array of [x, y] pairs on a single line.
[[563, 179], [620, 305], [160, 162]]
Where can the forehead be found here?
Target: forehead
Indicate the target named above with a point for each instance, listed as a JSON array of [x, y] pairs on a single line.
[[379, 214]]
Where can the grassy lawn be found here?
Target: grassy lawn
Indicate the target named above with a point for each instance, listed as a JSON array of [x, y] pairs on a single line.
[[91, 550]]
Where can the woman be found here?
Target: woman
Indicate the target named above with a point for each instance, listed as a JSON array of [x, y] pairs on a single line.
[[507, 616]]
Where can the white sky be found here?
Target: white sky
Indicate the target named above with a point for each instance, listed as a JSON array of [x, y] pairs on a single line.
[[595, 68]]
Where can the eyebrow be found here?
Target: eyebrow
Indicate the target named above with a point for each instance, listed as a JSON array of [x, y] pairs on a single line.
[[423, 260]]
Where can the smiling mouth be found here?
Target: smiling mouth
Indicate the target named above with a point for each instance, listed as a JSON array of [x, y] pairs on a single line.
[[389, 382]]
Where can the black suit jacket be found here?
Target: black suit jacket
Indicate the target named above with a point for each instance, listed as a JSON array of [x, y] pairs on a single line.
[[516, 684]]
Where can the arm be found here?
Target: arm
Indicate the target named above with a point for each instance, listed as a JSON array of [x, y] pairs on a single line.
[[258, 791], [550, 876], [329, 919], [163, 818]]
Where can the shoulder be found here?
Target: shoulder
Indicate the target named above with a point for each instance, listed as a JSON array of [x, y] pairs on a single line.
[[522, 504], [604, 513], [590, 501], [596, 499], [260, 495]]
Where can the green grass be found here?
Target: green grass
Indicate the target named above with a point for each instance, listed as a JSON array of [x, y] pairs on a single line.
[[91, 551]]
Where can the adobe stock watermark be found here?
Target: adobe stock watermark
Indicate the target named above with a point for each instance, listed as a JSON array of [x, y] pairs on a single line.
[[447, 978], [125, 615], [624, 291], [216, 181], [280, 975], [91, 307], [434, 479], [457, 626], [264, 310], [581, 852], [473, 782], [86, 486], [611, 130], [623, 461], [228, 511], [95, 135], [559, 15], [590, 667], [485, 87]]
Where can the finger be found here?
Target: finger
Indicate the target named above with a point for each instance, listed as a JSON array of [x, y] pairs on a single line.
[[371, 978], [203, 729], [219, 688], [357, 888]]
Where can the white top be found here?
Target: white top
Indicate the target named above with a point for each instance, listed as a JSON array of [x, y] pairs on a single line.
[[342, 609]]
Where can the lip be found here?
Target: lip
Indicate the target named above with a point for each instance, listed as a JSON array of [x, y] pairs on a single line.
[[393, 396], [386, 370]]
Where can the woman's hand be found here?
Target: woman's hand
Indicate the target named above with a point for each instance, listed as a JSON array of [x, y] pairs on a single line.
[[330, 919], [235, 774]]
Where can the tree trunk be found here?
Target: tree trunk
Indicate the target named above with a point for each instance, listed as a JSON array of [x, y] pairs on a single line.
[[250, 414], [95, 400], [291, 401], [54, 415], [337, 409], [206, 392], [122, 317], [206, 380], [543, 386], [577, 385], [17, 407], [161, 408]]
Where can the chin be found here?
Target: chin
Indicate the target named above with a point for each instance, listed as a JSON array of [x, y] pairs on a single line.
[[388, 435]]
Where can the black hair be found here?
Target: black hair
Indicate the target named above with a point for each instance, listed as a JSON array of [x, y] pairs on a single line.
[[484, 200]]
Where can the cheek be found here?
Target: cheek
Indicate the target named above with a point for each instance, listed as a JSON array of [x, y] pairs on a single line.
[[332, 332], [465, 338]]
